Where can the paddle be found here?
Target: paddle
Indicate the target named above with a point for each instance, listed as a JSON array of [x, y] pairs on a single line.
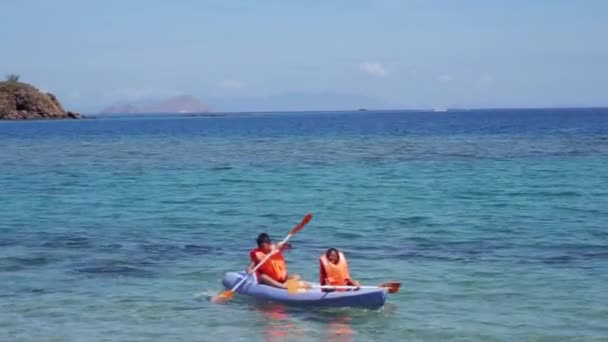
[[227, 295], [293, 286]]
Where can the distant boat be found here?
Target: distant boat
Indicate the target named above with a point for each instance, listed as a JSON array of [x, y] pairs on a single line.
[[440, 110], [361, 110]]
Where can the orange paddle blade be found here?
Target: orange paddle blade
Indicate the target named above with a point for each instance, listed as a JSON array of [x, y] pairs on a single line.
[[304, 222], [392, 287], [224, 296]]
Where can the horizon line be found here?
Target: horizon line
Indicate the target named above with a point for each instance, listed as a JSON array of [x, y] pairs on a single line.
[[361, 110]]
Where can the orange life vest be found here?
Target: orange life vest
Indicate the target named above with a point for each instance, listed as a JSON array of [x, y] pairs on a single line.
[[334, 274], [274, 267]]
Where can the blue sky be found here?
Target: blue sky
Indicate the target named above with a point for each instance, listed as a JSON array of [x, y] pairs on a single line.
[[400, 54]]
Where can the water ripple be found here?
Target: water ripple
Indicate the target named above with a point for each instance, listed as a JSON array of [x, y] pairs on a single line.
[[113, 268]]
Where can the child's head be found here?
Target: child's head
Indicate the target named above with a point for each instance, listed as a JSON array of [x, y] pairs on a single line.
[[333, 255], [264, 242]]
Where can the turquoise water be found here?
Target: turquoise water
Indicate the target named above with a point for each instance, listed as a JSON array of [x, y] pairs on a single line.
[[120, 228]]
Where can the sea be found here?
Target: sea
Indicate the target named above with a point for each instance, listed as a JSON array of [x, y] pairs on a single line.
[[120, 228]]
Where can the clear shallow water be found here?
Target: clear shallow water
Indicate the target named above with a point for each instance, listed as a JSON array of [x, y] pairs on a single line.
[[495, 222]]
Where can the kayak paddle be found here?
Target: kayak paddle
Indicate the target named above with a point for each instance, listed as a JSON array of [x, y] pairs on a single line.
[[227, 295], [293, 286]]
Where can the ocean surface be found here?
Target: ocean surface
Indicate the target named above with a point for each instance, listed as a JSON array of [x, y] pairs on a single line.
[[120, 228]]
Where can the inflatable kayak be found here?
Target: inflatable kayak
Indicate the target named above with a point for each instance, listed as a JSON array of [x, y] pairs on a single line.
[[363, 298]]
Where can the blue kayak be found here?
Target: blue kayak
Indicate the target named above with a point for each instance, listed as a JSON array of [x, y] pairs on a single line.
[[363, 298]]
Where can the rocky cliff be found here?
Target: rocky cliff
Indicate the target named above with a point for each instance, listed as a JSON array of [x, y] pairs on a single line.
[[21, 101]]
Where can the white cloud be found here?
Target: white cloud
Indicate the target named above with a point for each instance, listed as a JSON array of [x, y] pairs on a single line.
[[445, 78], [373, 69], [231, 84]]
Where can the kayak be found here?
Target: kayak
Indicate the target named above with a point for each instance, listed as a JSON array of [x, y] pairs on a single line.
[[362, 298]]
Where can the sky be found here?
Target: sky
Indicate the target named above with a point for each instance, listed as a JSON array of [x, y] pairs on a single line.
[[282, 55]]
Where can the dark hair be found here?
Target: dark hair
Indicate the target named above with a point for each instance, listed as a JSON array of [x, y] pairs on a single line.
[[263, 238], [332, 250]]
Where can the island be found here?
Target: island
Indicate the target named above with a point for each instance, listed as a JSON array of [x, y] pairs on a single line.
[[22, 101]]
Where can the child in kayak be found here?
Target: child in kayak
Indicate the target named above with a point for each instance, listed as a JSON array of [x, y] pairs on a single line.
[[333, 269], [274, 271]]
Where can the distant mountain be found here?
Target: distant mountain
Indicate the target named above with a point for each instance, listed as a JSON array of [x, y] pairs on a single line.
[[120, 108], [294, 101], [177, 104], [303, 101]]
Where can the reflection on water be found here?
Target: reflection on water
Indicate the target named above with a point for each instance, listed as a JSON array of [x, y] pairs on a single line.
[[282, 323], [340, 330], [278, 325]]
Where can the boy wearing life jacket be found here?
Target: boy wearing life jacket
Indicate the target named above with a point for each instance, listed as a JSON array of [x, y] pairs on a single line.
[[333, 269], [274, 271]]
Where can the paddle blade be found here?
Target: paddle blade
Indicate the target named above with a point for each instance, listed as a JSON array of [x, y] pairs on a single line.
[[224, 296], [392, 287], [304, 222], [293, 286]]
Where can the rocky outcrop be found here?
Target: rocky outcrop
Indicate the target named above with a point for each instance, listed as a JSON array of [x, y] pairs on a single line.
[[21, 101]]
